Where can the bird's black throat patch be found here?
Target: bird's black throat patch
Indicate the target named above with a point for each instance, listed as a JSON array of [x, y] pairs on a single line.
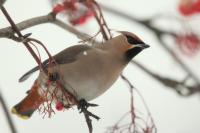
[[132, 53]]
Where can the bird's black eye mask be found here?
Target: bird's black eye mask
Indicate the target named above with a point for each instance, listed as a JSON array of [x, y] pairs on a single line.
[[133, 41], [132, 53]]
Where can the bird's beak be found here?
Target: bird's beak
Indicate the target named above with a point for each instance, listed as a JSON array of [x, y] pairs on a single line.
[[143, 46]]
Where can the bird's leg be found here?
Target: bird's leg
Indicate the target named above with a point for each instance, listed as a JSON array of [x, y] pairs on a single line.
[[83, 106]]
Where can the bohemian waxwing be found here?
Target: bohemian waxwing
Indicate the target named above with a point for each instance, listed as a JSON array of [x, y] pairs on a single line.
[[87, 71]]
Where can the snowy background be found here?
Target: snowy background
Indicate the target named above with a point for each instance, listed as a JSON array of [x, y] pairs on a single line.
[[172, 113]]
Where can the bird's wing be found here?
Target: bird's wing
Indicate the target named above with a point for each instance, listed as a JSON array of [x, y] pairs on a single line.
[[68, 55]]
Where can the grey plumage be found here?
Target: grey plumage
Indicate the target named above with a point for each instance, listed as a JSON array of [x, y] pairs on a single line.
[[85, 71], [68, 55]]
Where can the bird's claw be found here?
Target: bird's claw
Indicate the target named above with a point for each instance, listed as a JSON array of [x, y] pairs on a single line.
[[83, 105]]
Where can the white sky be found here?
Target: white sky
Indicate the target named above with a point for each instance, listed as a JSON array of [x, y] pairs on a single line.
[[172, 114]]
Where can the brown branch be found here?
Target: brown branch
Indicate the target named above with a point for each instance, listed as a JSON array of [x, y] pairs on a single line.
[[70, 29], [95, 8], [2, 2], [148, 126], [49, 18], [179, 86], [8, 117], [131, 100], [101, 22], [133, 126], [9, 33]]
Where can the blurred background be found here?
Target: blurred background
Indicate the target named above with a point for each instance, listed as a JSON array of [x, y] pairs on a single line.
[[172, 112]]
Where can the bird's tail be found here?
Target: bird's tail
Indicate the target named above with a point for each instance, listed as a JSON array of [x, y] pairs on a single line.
[[29, 104]]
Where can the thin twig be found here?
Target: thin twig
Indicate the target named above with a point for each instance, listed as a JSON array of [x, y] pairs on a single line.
[[70, 29], [134, 126], [179, 86], [17, 31], [8, 117], [2, 2]]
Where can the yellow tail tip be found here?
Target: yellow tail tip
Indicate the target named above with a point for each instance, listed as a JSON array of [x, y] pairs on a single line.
[[14, 111]]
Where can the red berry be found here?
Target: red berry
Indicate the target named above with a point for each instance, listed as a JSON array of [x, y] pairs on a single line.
[[189, 7], [188, 44], [58, 8], [59, 106]]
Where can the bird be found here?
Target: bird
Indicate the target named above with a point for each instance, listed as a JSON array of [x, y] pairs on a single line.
[[87, 71]]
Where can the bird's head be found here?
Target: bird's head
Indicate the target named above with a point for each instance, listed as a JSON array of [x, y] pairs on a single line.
[[131, 44]]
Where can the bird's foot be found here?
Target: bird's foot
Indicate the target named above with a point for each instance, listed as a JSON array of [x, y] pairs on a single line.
[[83, 106]]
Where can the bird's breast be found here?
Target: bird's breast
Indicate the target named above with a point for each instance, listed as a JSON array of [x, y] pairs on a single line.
[[90, 76]]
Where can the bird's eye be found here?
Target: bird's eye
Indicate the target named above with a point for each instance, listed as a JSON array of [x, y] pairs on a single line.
[[133, 40]]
